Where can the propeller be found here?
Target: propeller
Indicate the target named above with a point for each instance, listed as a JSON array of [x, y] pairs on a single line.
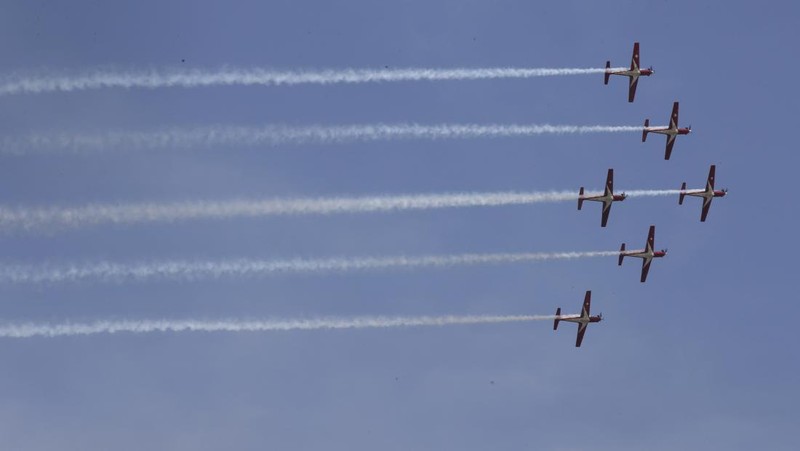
[[689, 127], [651, 69], [725, 190], [664, 250]]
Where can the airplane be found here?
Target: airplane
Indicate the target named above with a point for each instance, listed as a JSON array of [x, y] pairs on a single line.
[[607, 198], [672, 131], [647, 254], [582, 320], [633, 73], [707, 194]]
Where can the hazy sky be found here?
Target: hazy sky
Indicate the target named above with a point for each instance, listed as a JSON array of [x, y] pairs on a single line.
[[702, 356]]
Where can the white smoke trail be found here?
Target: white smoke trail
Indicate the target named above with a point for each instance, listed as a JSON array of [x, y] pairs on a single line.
[[272, 135], [152, 79], [652, 192], [93, 214], [194, 270], [29, 330], [39, 218]]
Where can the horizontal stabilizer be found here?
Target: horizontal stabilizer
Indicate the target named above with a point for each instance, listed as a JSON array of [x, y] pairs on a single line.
[[682, 194], [558, 318], [644, 131], [621, 255], [608, 66], [580, 198]]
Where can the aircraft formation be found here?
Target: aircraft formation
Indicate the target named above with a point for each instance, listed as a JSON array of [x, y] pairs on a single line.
[[649, 253], [154, 212]]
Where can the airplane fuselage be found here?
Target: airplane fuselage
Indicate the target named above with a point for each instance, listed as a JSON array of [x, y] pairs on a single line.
[[647, 254], [669, 131], [580, 319], [606, 198], [635, 73], [706, 193]]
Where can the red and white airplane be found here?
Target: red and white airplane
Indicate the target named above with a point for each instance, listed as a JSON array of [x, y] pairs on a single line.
[[707, 194], [633, 73], [672, 131], [582, 320], [607, 198], [647, 254]]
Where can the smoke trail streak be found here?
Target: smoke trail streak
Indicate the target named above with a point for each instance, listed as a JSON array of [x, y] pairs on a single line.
[[652, 192], [94, 214], [29, 330], [273, 135], [151, 79], [32, 218], [195, 270]]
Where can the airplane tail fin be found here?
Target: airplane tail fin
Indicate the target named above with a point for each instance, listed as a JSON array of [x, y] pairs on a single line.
[[607, 74], [621, 255], [580, 198], [558, 318], [644, 131], [682, 194]]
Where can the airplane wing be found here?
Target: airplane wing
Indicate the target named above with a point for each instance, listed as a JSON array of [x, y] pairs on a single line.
[[606, 211], [670, 144], [706, 207], [673, 120], [587, 304], [710, 183], [651, 238], [635, 57], [610, 180], [645, 268], [585, 312], [581, 332], [632, 88]]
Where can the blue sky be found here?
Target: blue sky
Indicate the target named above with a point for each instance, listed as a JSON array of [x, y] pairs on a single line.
[[702, 356]]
